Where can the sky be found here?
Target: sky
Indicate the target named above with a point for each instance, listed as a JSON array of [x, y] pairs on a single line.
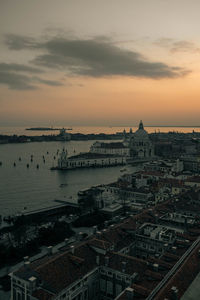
[[99, 62]]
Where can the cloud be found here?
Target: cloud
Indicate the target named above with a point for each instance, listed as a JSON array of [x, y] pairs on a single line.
[[47, 82], [177, 46], [18, 42], [5, 67], [96, 57], [184, 46], [13, 76], [16, 81]]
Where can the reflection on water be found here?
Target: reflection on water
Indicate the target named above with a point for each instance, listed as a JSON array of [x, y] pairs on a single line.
[[32, 188], [92, 129]]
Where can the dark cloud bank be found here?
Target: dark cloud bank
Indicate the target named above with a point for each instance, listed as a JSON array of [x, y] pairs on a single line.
[[92, 57], [20, 77]]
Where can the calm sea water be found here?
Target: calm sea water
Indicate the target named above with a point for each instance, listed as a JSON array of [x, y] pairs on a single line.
[[92, 129], [37, 188], [34, 188]]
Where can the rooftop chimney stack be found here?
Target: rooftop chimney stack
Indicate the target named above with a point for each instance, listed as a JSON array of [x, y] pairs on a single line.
[[66, 241], [106, 261], [27, 264], [49, 250], [130, 293], [72, 249], [94, 229], [98, 260], [123, 266], [155, 267], [26, 258], [174, 291]]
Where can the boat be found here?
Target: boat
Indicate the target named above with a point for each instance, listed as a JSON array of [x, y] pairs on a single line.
[[63, 184], [122, 170]]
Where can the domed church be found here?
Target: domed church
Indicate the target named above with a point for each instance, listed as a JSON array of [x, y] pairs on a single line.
[[140, 144]]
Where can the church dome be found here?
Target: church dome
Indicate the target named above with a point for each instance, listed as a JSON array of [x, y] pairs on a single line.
[[141, 133]]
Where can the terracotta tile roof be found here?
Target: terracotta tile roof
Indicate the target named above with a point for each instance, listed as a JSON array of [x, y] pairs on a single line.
[[102, 244], [183, 277], [141, 290], [154, 275], [162, 263], [118, 237], [60, 270], [133, 264], [41, 294]]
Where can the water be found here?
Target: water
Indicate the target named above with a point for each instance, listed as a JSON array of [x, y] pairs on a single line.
[[91, 129], [32, 188]]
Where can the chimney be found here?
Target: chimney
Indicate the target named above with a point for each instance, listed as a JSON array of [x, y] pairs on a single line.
[[27, 264], [94, 229], [66, 241], [32, 280], [123, 266], [79, 236], [165, 247], [129, 293], [199, 253], [174, 249], [106, 224], [106, 261], [155, 267], [174, 291], [72, 249], [98, 234], [49, 250], [26, 258], [98, 260]]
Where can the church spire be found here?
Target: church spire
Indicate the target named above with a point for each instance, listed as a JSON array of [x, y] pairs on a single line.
[[141, 125]]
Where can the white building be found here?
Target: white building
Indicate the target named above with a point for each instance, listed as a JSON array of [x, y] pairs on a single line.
[[110, 148], [140, 145], [88, 159]]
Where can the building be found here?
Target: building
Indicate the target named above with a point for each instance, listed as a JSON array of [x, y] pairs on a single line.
[[110, 148], [87, 160], [140, 145], [151, 255]]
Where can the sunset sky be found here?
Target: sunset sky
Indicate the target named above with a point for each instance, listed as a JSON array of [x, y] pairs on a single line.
[[99, 62]]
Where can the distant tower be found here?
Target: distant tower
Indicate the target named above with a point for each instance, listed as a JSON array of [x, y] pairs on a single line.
[[141, 126], [64, 135], [62, 159]]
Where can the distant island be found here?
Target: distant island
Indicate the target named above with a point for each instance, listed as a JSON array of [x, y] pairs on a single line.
[[46, 128]]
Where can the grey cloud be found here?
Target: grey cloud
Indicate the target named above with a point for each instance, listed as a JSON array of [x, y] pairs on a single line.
[[16, 81], [184, 46], [177, 46], [47, 82], [5, 67], [10, 75], [18, 42], [96, 57], [164, 42]]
